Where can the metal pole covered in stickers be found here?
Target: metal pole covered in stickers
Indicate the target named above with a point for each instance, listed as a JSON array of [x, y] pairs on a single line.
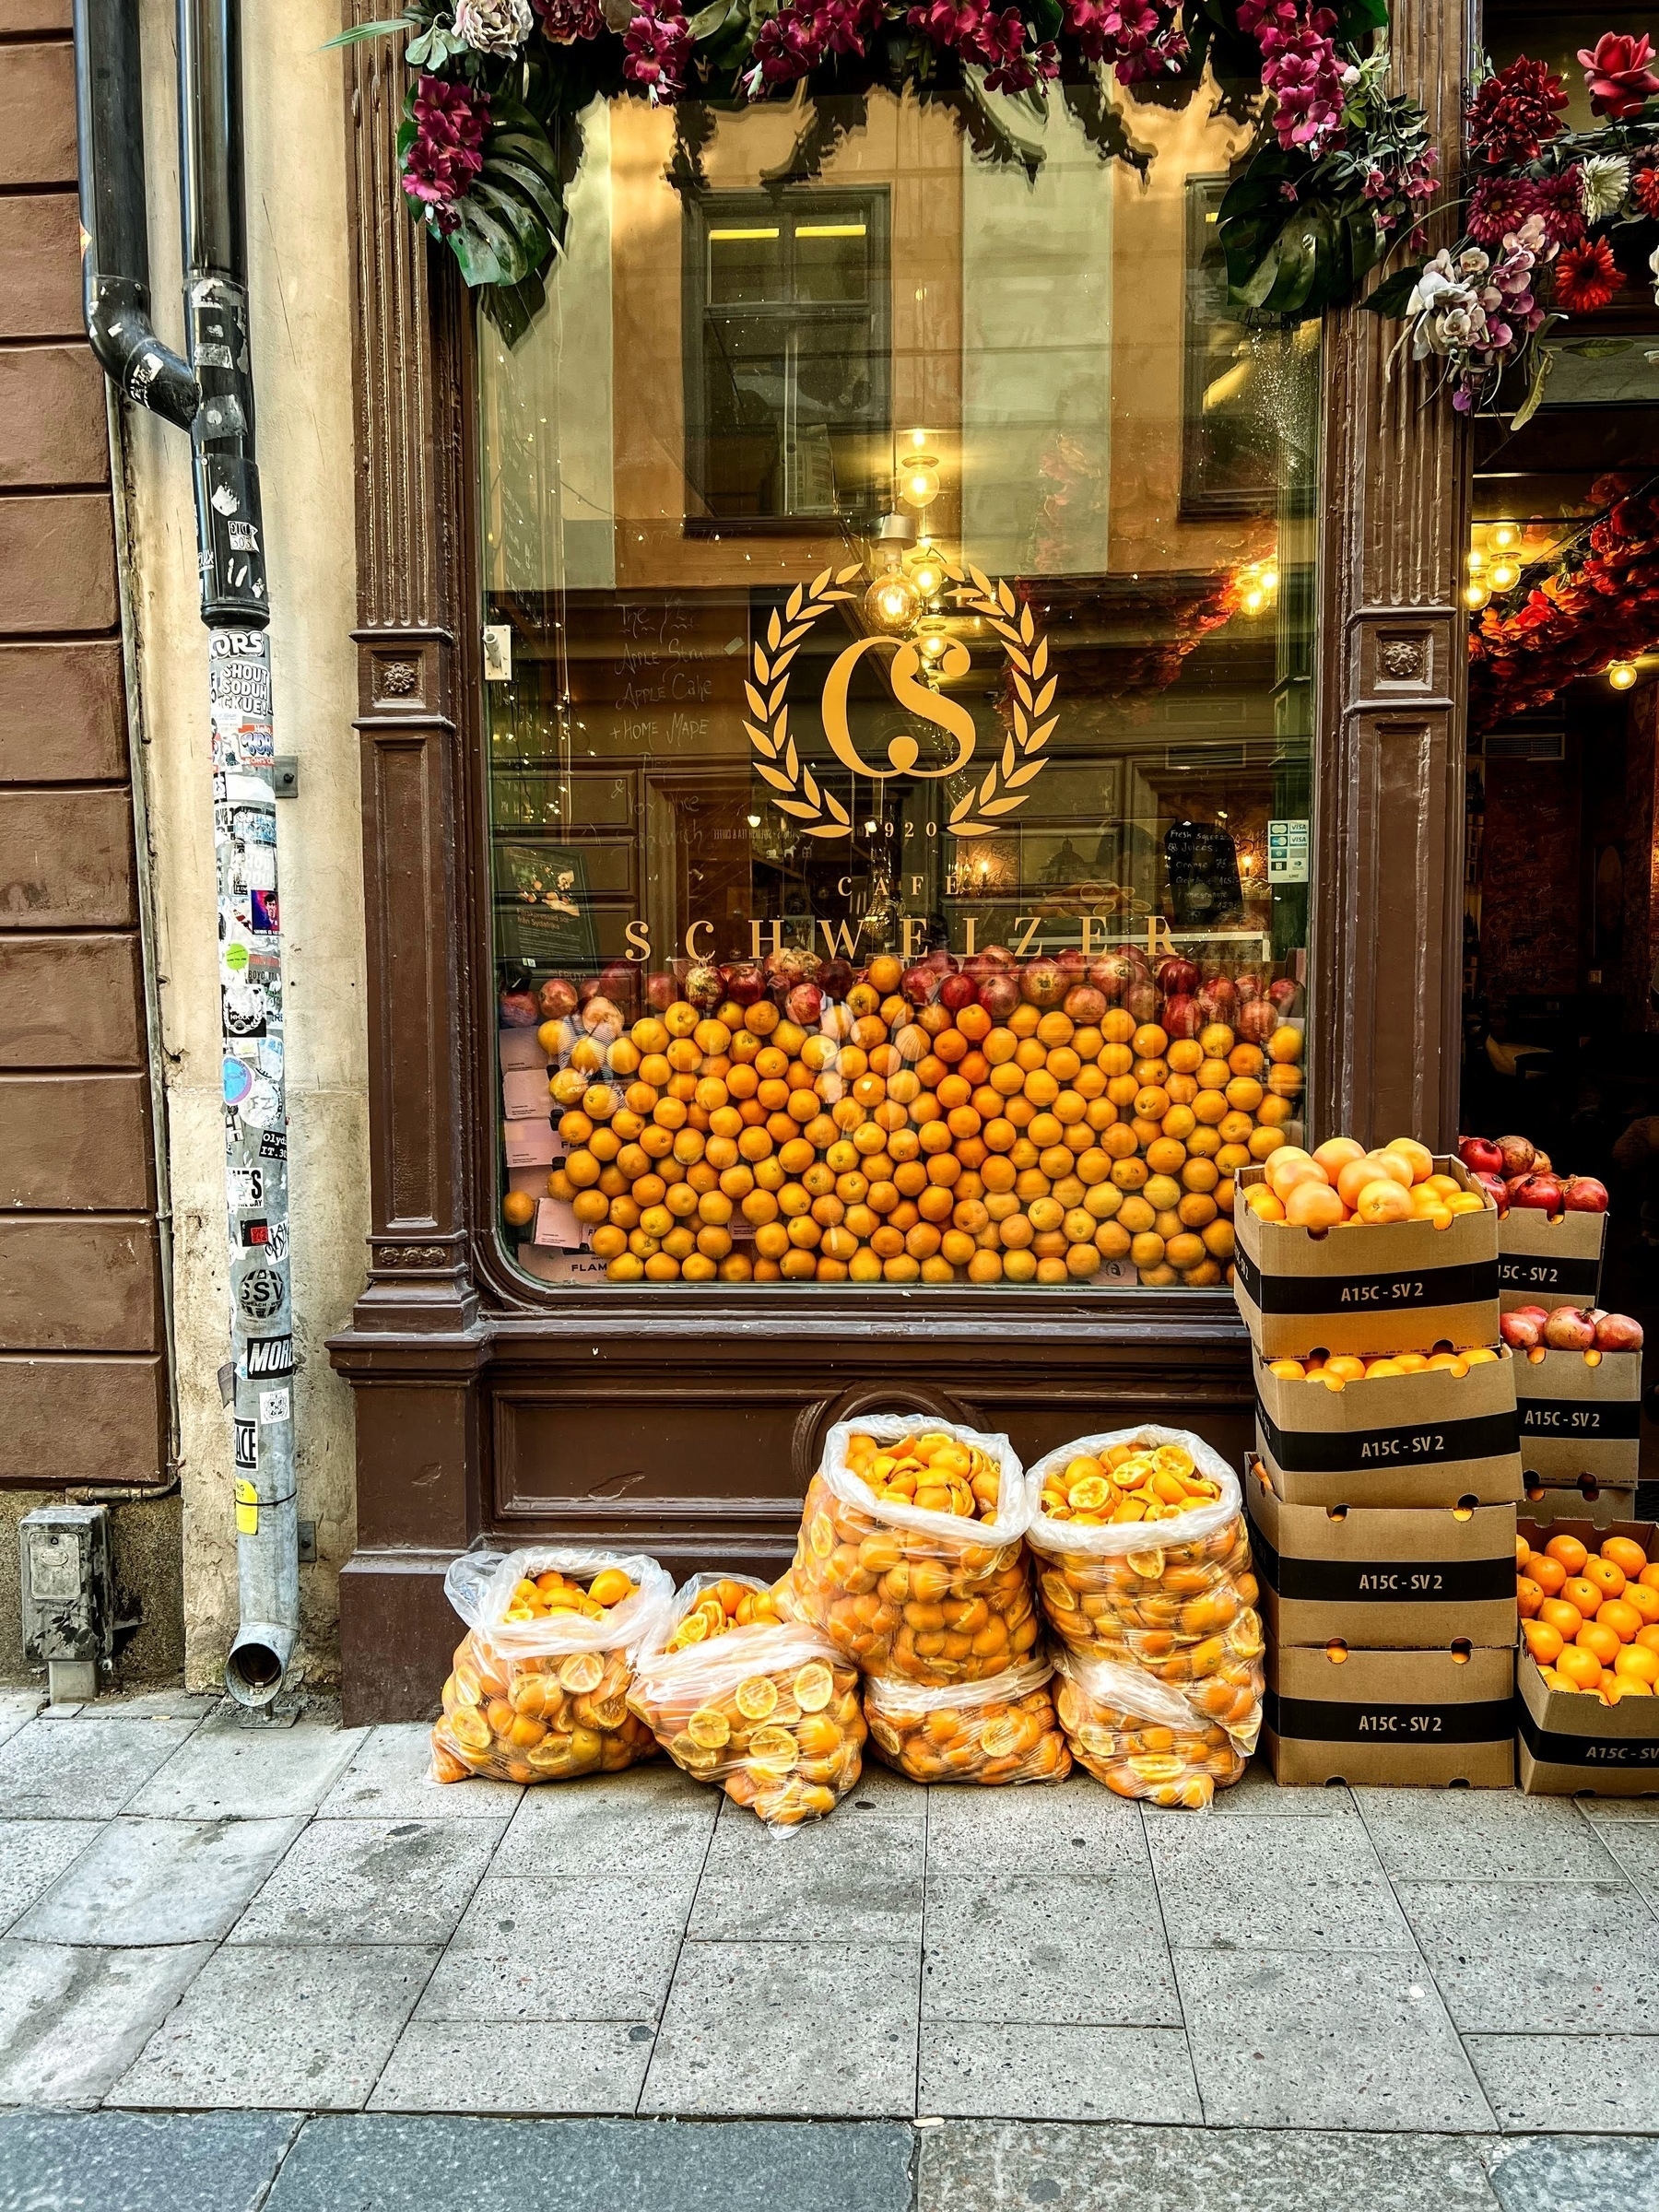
[[214, 397]]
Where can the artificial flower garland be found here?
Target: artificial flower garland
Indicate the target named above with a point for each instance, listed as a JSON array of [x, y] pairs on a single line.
[[489, 137], [1543, 211]]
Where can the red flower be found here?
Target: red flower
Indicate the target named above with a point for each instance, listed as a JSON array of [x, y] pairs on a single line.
[[1561, 205], [658, 50], [1500, 205], [1516, 111], [1586, 277], [447, 150], [1616, 72], [565, 21], [1645, 186]]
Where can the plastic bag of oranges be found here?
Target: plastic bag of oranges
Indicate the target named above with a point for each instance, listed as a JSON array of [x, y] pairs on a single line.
[[1143, 1556], [1003, 1730], [909, 1556], [1139, 1736], [539, 1686], [768, 1708]]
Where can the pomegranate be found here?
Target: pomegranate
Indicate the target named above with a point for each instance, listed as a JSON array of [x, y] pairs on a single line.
[[1569, 1330], [1520, 1156], [744, 983], [1177, 978], [1258, 1018], [1071, 963], [1142, 1001], [1523, 1329], [702, 985], [1618, 1332], [1480, 1156], [805, 1004], [1539, 1193], [942, 957], [996, 959], [1112, 974], [662, 989], [1086, 1006], [519, 1009], [1286, 995], [1584, 1195], [919, 984], [957, 991], [619, 980], [1180, 1017], [999, 995], [557, 998], [1042, 984], [1496, 1189], [602, 1017], [1219, 1000]]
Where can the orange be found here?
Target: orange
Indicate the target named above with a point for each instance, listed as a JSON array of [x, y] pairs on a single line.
[[1649, 1636], [1548, 1573], [1585, 1594], [1636, 1663], [1570, 1551], [1313, 1206], [1421, 1159], [1336, 1153], [1626, 1554], [1592, 1637], [1607, 1574], [1561, 1616], [1543, 1643], [1582, 1668], [1352, 1179], [1649, 1577], [1645, 1601], [1528, 1596], [1384, 1200], [1623, 1620]]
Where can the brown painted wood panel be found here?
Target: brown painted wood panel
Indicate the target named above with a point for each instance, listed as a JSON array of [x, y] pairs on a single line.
[[70, 1002], [79, 1286], [39, 257], [54, 428], [65, 1422], [18, 18], [63, 714], [81, 1142], [37, 114], [58, 564], [67, 859]]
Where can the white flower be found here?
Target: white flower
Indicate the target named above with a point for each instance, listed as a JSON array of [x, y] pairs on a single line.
[[1653, 268], [1604, 181], [493, 26]]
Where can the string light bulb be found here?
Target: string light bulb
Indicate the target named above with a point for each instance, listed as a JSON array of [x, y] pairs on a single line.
[[1505, 575], [1621, 675], [1504, 537], [891, 603], [919, 481], [1475, 594]]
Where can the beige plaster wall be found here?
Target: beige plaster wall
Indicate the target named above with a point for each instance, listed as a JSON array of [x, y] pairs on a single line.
[[297, 222]]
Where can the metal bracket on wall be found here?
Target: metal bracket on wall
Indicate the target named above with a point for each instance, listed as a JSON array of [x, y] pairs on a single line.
[[285, 776]]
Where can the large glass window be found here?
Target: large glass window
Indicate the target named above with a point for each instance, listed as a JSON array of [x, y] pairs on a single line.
[[899, 620]]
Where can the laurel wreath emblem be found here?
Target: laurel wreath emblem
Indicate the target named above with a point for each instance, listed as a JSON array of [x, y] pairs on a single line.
[[1000, 791]]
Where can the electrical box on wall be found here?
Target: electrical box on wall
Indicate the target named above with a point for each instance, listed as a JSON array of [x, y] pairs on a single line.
[[68, 1594]]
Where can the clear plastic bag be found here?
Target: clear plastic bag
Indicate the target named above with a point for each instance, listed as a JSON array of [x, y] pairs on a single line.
[[1175, 1597], [902, 1590], [1140, 1737], [544, 1699], [769, 1712], [1001, 1731]]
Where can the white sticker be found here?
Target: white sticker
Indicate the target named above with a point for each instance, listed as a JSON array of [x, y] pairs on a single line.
[[1287, 852], [272, 1405]]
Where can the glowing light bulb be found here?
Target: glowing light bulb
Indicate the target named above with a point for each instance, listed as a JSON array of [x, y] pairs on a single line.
[[919, 486], [1504, 535], [1505, 575], [1621, 675], [918, 439], [891, 603], [928, 576], [1475, 594], [1255, 599]]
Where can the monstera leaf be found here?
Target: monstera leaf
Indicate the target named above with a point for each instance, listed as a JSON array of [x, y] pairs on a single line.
[[513, 217], [1293, 255]]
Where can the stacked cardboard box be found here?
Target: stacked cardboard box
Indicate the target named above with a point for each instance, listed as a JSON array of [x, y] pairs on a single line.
[[1569, 1741], [1581, 1430], [1383, 1515]]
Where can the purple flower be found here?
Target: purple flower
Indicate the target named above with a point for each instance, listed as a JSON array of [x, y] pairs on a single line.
[[565, 21], [658, 50], [1303, 73], [1142, 39], [447, 150], [1501, 203]]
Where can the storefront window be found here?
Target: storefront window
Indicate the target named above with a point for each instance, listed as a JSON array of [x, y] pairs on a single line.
[[899, 589]]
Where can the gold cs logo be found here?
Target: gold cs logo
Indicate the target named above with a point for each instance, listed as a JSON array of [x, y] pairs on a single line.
[[1005, 787]]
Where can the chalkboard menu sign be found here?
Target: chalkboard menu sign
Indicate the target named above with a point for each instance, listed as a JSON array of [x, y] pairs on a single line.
[[542, 896]]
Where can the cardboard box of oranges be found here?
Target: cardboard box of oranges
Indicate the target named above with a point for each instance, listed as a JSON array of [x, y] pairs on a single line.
[[538, 1690], [1441, 1430], [1588, 1716], [1389, 1719], [1000, 1731], [1404, 1285], [1580, 1415], [1143, 1556], [1141, 1737], [909, 1557], [764, 1706]]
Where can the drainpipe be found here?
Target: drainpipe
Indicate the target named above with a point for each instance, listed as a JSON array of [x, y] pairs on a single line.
[[214, 399]]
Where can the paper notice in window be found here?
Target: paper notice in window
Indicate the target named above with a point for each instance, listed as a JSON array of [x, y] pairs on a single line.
[[524, 1094], [532, 1144], [557, 1226], [521, 1048]]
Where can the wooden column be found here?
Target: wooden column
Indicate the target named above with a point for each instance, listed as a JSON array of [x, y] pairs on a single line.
[[1389, 778]]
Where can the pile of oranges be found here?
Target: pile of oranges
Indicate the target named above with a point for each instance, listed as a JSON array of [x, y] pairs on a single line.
[[1336, 1370], [542, 1596], [1341, 1181], [1591, 1619], [764, 1708], [901, 1143], [1001, 1732], [931, 1470], [537, 1720], [1127, 1483], [1168, 1763]]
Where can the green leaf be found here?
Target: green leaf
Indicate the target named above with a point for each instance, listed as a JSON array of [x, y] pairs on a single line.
[[390, 27], [1543, 362], [513, 307], [1392, 294], [707, 21], [1597, 349]]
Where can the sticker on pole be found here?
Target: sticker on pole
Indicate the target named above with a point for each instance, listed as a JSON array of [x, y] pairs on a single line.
[[247, 1508]]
